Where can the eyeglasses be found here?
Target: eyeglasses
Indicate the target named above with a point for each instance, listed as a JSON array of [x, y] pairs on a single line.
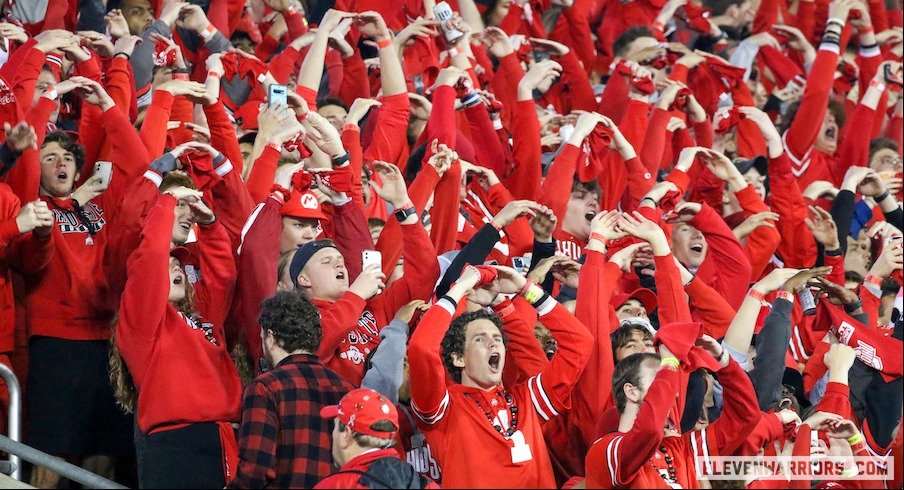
[[891, 161]]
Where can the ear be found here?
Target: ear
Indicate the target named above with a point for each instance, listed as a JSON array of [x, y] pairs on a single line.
[[458, 360], [303, 281], [733, 10], [631, 393], [346, 439]]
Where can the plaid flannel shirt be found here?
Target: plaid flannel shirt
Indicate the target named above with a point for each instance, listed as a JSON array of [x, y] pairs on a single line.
[[283, 442]]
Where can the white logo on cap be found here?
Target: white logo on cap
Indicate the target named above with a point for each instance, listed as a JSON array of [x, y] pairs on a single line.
[[309, 201]]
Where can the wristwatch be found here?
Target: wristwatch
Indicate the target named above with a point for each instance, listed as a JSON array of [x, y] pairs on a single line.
[[403, 214]]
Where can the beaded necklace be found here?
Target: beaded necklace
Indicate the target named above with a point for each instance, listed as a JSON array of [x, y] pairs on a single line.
[[673, 473], [510, 403]]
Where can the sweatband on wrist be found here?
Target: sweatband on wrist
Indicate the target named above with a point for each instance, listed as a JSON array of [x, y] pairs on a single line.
[[385, 43], [835, 20], [877, 84], [526, 287], [874, 280], [785, 295], [534, 294], [670, 361], [882, 197], [600, 237], [753, 293], [469, 100], [405, 205], [208, 32], [854, 439]]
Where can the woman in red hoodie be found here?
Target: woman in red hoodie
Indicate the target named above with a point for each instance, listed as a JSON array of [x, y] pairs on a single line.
[[189, 392]]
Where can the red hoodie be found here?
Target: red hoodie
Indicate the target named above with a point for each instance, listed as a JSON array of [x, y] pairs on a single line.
[[167, 352]]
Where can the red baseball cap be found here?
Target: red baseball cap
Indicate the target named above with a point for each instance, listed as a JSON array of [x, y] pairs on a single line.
[[360, 409], [183, 255], [303, 205], [646, 297]]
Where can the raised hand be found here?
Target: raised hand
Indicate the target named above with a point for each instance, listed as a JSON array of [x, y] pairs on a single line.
[[515, 209], [359, 109], [116, 24], [823, 228], [891, 259], [835, 293], [369, 283], [508, 281], [21, 136], [872, 185], [543, 224], [799, 281], [406, 313], [371, 24], [93, 93], [497, 42], [753, 222], [714, 348], [421, 27], [550, 47], [393, 189], [819, 188], [567, 272], [538, 274], [200, 213], [640, 227], [540, 75], [35, 216], [92, 188], [626, 258], [840, 358], [657, 193], [684, 212], [775, 280], [606, 224], [442, 157], [193, 18]]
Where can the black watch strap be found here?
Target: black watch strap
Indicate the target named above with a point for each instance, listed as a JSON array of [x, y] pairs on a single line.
[[338, 161], [403, 214]]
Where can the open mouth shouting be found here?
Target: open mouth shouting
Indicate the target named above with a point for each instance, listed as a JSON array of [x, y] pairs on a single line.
[[494, 362], [589, 215]]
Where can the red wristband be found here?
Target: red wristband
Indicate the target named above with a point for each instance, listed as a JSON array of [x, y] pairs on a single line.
[[600, 237], [874, 280], [275, 146], [753, 293], [525, 288], [785, 295], [405, 205], [866, 30], [384, 43], [496, 225], [180, 76], [213, 74], [876, 83]]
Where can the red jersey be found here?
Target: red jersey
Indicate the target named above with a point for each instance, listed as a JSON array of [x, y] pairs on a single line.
[[349, 476], [569, 245], [414, 447], [461, 422]]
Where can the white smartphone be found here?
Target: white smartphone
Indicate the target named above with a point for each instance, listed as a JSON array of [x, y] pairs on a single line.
[[370, 257], [277, 94], [104, 170]]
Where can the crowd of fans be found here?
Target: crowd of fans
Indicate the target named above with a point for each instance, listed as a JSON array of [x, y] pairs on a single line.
[[482, 243]]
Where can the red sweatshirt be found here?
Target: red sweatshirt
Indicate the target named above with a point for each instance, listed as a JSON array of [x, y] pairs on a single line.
[[69, 297], [351, 325], [13, 245], [726, 267], [470, 452], [166, 351]]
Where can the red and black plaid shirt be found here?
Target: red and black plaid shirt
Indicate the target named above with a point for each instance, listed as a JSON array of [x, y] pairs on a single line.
[[283, 442]]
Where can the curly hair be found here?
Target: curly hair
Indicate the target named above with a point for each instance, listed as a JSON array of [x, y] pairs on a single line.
[[293, 320], [66, 143], [454, 340], [176, 178]]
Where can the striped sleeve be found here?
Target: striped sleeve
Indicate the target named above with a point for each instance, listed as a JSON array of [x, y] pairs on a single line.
[[540, 400]]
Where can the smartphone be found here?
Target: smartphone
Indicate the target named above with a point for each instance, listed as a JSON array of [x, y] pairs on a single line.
[[892, 77], [277, 94], [521, 264], [370, 257], [104, 170]]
